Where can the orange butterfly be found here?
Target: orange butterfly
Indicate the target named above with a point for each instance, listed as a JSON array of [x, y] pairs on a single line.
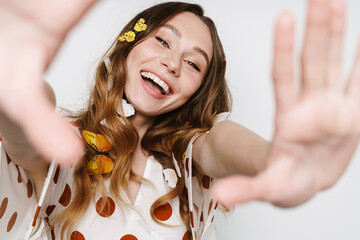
[[99, 164]]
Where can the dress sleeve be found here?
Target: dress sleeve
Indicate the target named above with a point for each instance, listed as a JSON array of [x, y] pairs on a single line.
[[17, 198], [201, 206], [21, 215], [55, 196]]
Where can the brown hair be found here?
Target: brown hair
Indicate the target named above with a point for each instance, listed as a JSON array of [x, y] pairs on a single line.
[[211, 98]]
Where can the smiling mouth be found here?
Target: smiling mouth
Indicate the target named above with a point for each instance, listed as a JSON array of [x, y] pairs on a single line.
[[156, 82]]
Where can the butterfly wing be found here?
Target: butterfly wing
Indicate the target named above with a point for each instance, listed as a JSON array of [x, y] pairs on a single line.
[[96, 141], [140, 25], [128, 36], [90, 138], [100, 164], [102, 144]]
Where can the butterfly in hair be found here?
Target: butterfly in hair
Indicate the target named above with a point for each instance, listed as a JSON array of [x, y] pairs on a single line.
[[129, 36], [100, 163]]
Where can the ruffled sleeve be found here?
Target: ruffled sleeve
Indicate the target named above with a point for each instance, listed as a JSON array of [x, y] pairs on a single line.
[[55, 197], [18, 203], [21, 215], [201, 206]]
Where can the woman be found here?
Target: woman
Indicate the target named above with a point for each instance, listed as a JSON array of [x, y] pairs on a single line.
[[166, 114]]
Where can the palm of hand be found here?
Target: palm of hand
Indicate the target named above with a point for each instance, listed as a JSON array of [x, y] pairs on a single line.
[[313, 143], [317, 125], [32, 32]]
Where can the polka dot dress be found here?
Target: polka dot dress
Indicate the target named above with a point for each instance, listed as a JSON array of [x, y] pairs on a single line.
[[21, 215]]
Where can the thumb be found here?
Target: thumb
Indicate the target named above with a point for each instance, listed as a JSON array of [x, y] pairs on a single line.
[[239, 189], [51, 135]]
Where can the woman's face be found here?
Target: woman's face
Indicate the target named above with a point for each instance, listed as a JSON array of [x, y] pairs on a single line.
[[167, 68]]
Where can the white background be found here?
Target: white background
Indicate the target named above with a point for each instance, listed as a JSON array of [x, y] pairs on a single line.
[[245, 27]]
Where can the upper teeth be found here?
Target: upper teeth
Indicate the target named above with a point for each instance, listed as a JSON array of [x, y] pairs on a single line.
[[157, 80]]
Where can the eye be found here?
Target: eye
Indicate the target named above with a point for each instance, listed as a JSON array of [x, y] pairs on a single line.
[[193, 65], [162, 41]]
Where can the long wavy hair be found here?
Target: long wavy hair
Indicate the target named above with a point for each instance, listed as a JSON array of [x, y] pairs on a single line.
[[211, 98]]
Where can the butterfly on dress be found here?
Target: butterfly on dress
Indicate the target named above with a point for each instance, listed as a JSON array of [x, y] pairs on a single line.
[[100, 163], [129, 36]]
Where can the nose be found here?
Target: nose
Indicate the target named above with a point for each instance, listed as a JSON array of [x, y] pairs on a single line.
[[172, 63]]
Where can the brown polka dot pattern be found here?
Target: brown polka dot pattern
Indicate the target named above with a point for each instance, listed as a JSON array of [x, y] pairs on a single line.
[[0, 138], [19, 179], [186, 236], [105, 206], [206, 182], [210, 206], [196, 208], [192, 219], [187, 166], [76, 235], [163, 212], [36, 215], [11, 222], [52, 234], [56, 175], [129, 237], [29, 188], [50, 209], [3, 206], [66, 196]]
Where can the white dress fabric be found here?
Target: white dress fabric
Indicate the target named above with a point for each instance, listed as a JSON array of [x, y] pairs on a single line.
[[21, 214]]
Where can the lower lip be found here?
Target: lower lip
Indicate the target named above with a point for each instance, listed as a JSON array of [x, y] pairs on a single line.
[[151, 91]]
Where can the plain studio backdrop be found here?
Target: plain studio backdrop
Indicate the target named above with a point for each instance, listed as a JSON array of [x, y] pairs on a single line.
[[246, 30]]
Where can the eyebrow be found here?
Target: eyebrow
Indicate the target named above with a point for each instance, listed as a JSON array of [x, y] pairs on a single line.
[[197, 49]]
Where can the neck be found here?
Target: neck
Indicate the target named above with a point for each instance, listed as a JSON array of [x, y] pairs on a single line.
[[141, 123]]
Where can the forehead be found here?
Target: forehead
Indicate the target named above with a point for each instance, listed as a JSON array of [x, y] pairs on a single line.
[[193, 31]]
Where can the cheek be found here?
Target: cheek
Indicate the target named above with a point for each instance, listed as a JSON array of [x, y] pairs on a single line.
[[144, 50], [191, 86]]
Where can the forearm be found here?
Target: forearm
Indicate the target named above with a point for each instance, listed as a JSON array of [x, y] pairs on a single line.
[[228, 149]]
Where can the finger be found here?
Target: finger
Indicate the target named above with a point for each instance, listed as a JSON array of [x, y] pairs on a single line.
[[237, 189], [353, 86], [284, 183], [315, 47], [337, 26], [24, 100], [51, 135], [54, 18], [283, 63]]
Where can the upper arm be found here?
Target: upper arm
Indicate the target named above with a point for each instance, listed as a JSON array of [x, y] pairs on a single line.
[[230, 148]]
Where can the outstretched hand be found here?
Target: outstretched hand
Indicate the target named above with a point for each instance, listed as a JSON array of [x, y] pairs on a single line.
[[31, 32], [317, 124]]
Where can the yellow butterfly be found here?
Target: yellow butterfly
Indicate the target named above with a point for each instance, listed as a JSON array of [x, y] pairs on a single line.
[[140, 25], [129, 36], [99, 164]]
